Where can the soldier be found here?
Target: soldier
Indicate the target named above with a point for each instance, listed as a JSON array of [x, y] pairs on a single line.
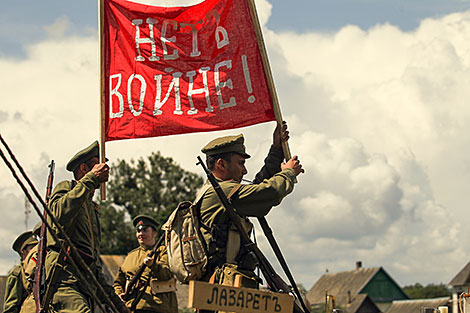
[[157, 283], [29, 269], [225, 158], [71, 203], [15, 292]]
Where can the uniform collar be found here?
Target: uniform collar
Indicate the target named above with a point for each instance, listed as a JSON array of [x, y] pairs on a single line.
[[147, 248]]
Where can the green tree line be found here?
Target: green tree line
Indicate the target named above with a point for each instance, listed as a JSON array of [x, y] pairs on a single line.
[[152, 186], [418, 291]]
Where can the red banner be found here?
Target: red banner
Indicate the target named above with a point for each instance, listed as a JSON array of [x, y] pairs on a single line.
[[181, 69]]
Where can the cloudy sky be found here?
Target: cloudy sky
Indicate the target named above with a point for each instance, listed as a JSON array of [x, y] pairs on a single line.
[[376, 97]]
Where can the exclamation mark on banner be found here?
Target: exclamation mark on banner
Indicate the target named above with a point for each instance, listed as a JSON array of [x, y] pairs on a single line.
[[246, 72]]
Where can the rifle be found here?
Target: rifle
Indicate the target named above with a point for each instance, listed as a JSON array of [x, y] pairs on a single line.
[[75, 259], [132, 287], [39, 286], [274, 281], [282, 261]]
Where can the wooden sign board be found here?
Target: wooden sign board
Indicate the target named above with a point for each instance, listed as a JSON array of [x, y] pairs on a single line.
[[207, 296]]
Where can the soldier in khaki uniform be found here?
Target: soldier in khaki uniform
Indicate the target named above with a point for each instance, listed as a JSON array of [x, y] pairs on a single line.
[[72, 205], [15, 292], [225, 158], [29, 270], [157, 282]]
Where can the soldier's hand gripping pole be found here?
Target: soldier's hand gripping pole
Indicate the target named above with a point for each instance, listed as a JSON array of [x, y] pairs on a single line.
[[39, 286], [75, 256], [274, 281]]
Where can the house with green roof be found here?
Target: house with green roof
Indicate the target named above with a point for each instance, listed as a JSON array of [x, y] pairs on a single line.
[[350, 286]]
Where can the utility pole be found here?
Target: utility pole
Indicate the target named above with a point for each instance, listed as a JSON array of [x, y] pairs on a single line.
[[27, 212]]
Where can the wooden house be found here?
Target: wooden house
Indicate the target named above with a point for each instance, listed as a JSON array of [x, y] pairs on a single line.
[[350, 286]]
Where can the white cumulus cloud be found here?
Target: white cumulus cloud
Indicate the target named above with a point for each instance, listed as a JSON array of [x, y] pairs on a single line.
[[379, 118]]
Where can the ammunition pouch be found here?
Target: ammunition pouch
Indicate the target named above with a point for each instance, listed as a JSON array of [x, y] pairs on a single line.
[[227, 276], [225, 246], [217, 242], [219, 235], [246, 260], [162, 286]]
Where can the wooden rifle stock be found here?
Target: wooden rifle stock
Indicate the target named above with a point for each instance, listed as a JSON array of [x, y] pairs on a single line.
[[132, 286], [274, 281], [39, 286]]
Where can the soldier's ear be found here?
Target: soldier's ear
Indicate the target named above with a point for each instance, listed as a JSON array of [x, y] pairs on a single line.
[[83, 167], [220, 163]]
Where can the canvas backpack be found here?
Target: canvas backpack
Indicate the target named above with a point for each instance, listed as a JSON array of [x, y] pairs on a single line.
[[187, 249]]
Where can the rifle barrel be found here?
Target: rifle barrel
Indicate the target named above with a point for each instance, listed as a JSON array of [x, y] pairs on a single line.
[[39, 286]]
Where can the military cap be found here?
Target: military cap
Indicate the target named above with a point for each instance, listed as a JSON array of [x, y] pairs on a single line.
[[23, 240], [144, 221], [82, 156], [226, 144]]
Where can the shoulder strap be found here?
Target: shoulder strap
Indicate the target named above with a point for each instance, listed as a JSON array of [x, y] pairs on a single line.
[[197, 207], [201, 193], [206, 187]]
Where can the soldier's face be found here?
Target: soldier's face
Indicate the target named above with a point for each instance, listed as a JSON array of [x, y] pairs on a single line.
[[236, 167], [85, 167], [146, 236], [25, 251]]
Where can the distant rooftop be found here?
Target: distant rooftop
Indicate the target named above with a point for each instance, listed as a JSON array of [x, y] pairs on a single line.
[[413, 306], [339, 284], [462, 278], [347, 286]]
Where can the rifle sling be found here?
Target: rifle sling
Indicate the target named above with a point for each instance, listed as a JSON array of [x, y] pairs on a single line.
[[201, 194], [197, 204], [197, 208]]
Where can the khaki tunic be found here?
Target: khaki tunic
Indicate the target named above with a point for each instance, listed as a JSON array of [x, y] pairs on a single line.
[[161, 302], [257, 199], [72, 205], [14, 291], [29, 305], [29, 269]]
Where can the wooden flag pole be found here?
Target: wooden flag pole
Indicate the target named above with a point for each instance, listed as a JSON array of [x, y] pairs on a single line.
[[268, 73], [102, 92]]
